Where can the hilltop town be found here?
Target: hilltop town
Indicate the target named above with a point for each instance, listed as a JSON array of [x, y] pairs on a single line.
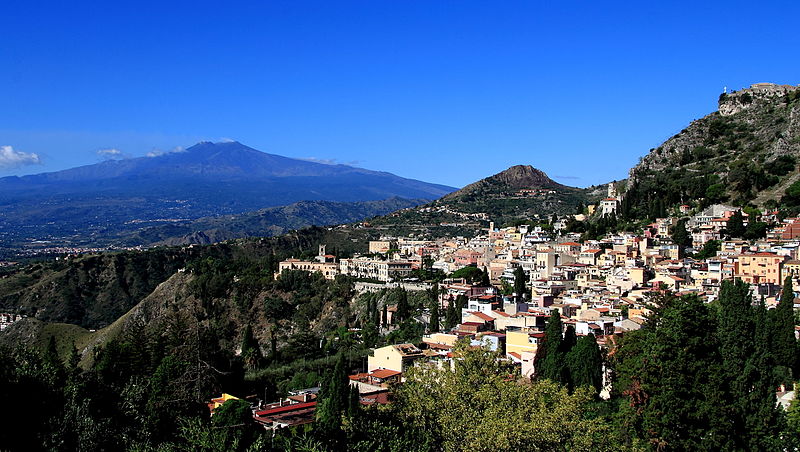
[[507, 283]]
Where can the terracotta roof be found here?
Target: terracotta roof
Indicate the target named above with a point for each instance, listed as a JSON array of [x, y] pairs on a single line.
[[283, 409], [371, 399], [384, 373], [482, 316]]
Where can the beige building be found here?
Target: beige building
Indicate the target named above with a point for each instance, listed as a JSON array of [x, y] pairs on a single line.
[[522, 341], [328, 269], [381, 246], [361, 267], [394, 357], [760, 268]]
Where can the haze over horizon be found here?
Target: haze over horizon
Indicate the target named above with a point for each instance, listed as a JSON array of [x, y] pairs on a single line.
[[441, 92]]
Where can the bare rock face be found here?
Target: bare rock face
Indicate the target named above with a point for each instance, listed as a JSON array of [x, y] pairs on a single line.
[[736, 101], [525, 176]]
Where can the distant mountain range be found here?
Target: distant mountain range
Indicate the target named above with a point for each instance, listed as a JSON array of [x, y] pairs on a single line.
[[91, 203]]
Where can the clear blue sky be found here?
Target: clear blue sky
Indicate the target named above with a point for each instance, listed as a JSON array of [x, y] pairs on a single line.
[[443, 91]]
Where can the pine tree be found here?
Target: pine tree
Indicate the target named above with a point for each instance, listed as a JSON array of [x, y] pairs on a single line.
[[783, 342]]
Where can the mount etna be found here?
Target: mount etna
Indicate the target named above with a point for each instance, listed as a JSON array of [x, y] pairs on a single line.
[[93, 204]]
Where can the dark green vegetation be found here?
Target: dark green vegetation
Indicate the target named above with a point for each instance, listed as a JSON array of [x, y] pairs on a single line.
[[225, 324], [749, 156], [565, 359], [264, 223], [703, 377], [94, 290], [519, 193]]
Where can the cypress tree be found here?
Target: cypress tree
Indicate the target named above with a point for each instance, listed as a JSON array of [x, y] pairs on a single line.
[[433, 295], [680, 235], [403, 310], [570, 339], [461, 302], [433, 327], [762, 418], [354, 402], [251, 353], [519, 282], [451, 318], [335, 398], [783, 342], [553, 367], [747, 368], [735, 225], [585, 363]]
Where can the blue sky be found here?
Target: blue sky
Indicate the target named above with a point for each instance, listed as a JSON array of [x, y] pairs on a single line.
[[446, 92]]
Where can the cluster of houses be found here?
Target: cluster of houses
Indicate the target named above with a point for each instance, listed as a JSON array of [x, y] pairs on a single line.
[[597, 286], [7, 319]]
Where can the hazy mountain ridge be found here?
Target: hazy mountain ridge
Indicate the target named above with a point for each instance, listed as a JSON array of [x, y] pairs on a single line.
[[85, 205], [266, 222]]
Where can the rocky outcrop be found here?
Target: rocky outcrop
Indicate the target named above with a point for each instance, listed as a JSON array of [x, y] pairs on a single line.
[[736, 101]]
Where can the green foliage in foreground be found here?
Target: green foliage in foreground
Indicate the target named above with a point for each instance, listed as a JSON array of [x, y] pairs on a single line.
[[697, 377], [700, 378]]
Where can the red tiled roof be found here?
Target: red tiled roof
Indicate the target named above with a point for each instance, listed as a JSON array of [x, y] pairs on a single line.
[[384, 373], [482, 316], [283, 409]]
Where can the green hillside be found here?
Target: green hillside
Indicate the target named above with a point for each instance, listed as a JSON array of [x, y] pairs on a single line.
[[745, 153], [520, 193]]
